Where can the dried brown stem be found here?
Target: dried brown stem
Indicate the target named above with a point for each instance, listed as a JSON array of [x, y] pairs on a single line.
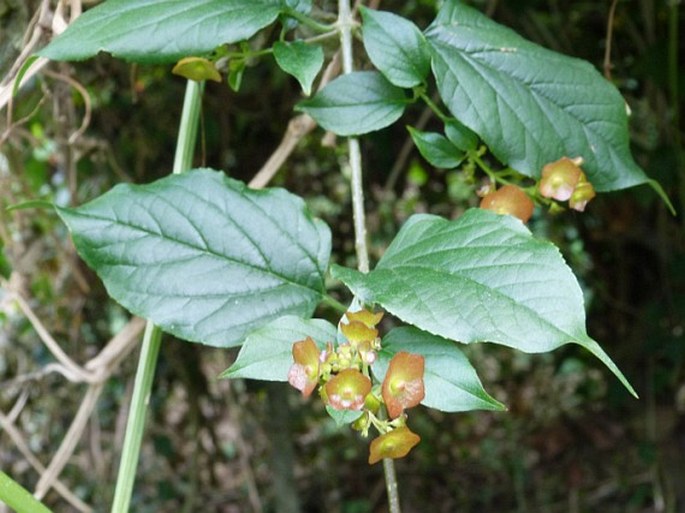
[[9, 428], [298, 127], [610, 35]]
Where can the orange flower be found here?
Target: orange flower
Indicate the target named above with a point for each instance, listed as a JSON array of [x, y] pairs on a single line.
[[304, 373], [369, 318], [559, 178], [394, 444], [347, 390], [583, 193], [509, 199], [403, 384], [357, 332]]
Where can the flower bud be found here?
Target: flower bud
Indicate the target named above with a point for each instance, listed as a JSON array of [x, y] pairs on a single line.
[[509, 199]]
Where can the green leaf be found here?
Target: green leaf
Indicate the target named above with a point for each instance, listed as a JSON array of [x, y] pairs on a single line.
[[202, 256], [356, 103], [5, 265], [450, 380], [19, 498], [150, 31], [197, 68], [343, 417], [301, 6], [267, 354], [461, 136], [436, 149], [481, 278], [396, 47], [530, 105], [300, 60], [236, 70]]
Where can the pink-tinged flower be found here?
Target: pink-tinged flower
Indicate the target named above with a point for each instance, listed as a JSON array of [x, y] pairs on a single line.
[[559, 179], [394, 444], [371, 319], [347, 390], [304, 373], [582, 195], [403, 384], [509, 199]]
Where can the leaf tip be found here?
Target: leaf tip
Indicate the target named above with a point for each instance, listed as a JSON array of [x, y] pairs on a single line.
[[662, 194], [226, 374], [592, 346]]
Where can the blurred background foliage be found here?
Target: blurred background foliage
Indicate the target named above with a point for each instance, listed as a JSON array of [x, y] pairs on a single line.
[[573, 440]]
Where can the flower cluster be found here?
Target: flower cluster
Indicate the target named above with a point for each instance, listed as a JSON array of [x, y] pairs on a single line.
[[564, 180], [343, 376]]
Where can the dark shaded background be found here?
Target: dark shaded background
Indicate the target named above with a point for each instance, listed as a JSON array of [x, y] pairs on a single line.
[[573, 440]]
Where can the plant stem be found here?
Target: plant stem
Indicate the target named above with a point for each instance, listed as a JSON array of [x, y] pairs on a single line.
[[187, 130], [674, 89], [185, 146], [306, 20], [391, 485], [136, 418], [495, 176], [433, 106], [345, 23], [19, 498], [334, 303]]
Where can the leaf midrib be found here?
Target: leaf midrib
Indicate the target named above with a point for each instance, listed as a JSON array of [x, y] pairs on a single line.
[[199, 250], [398, 276], [470, 59]]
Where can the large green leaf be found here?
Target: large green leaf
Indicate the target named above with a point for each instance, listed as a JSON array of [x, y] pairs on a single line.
[[203, 256], [161, 30], [267, 354], [356, 103], [530, 105], [450, 381], [396, 47], [481, 278]]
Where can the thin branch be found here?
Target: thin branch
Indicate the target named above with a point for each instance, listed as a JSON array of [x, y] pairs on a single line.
[[117, 348], [391, 485], [298, 128], [72, 437], [23, 448], [76, 373], [34, 32], [86, 103], [346, 22], [610, 35], [405, 151]]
